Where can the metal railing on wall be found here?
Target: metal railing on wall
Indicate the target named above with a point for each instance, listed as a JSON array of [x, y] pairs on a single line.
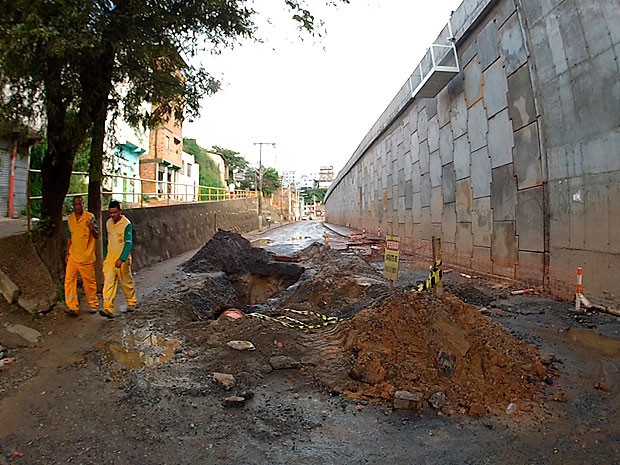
[[135, 192]]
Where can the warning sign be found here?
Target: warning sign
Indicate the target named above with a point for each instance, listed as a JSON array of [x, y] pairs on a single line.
[[391, 258]]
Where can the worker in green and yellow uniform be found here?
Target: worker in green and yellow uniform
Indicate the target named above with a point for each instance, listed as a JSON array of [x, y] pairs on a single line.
[[82, 236], [117, 245]]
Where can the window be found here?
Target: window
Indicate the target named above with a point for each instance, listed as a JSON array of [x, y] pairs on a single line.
[[189, 170], [167, 143]]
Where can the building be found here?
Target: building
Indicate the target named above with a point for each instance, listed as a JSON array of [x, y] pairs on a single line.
[[220, 163], [14, 163], [288, 178], [124, 167], [187, 188], [326, 176], [160, 167]]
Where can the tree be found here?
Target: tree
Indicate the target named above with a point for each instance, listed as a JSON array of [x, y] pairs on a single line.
[[311, 194], [73, 63], [271, 181], [233, 160]]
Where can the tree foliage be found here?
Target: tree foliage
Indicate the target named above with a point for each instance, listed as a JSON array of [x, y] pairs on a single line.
[[208, 171], [69, 64], [313, 194], [234, 161]]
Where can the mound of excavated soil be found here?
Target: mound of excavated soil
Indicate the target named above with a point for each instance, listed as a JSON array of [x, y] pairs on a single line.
[[445, 353], [251, 271], [416, 350], [234, 255]]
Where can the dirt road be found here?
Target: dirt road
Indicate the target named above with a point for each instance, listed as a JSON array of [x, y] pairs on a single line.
[[141, 390]]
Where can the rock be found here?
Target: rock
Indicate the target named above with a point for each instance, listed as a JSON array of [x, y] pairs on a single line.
[[282, 362], [31, 335], [234, 402], [8, 288], [446, 363], [224, 380], [241, 345], [406, 400], [437, 400]]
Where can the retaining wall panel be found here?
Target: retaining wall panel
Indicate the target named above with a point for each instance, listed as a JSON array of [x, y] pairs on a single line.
[[482, 222], [530, 219], [512, 44]]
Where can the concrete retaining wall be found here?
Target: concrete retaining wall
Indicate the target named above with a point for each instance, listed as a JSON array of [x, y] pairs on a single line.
[[516, 163], [166, 231]]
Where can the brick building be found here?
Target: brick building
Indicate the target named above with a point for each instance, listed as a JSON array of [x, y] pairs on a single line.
[[160, 167]]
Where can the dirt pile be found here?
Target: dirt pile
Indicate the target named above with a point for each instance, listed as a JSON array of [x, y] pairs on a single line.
[[389, 344], [443, 352], [253, 272]]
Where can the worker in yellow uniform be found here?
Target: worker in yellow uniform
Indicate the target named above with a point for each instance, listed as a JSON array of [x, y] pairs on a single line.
[[82, 236], [117, 245]]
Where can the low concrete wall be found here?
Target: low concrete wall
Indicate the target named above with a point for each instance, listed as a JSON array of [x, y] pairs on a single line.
[[164, 232]]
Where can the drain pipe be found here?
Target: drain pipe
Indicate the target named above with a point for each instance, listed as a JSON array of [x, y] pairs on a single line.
[[11, 199]]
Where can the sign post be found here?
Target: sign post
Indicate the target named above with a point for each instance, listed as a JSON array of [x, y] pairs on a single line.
[[391, 258]]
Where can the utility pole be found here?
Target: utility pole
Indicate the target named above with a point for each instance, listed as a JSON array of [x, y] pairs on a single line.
[[260, 181]]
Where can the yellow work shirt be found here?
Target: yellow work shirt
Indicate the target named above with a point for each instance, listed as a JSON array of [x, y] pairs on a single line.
[[119, 238], [82, 248]]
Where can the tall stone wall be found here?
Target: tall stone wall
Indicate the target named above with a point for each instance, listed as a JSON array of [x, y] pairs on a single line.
[[516, 163]]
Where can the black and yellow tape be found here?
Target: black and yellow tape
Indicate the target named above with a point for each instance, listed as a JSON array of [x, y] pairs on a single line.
[[434, 277], [290, 322]]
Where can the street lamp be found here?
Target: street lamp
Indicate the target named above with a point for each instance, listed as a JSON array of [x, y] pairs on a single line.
[[260, 181]]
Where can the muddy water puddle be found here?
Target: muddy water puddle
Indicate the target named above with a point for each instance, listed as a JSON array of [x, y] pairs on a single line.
[[139, 349], [585, 339]]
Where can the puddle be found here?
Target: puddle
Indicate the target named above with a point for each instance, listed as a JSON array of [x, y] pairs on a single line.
[[140, 350], [586, 339], [262, 242]]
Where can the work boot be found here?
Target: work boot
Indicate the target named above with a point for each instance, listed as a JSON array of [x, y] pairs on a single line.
[[70, 312], [93, 310], [131, 308], [106, 313]]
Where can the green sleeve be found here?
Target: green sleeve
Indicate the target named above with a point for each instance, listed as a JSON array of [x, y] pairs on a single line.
[[128, 242], [105, 243]]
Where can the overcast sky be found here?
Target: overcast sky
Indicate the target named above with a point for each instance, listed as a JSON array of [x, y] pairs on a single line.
[[315, 98]]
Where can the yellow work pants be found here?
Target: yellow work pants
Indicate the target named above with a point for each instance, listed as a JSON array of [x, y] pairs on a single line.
[[87, 272], [112, 276]]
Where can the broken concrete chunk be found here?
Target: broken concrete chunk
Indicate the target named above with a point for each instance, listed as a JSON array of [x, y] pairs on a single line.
[[224, 380], [446, 363], [282, 362], [8, 288], [241, 345], [406, 400], [234, 402], [437, 400], [29, 334]]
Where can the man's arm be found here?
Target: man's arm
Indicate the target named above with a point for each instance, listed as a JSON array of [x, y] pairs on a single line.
[[128, 242], [92, 226]]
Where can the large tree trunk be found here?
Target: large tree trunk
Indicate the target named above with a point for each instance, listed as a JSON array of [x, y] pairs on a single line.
[[95, 180], [99, 114], [65, 134]]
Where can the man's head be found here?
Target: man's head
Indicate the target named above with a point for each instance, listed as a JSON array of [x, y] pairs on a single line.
[[114, 208], [78, 204]]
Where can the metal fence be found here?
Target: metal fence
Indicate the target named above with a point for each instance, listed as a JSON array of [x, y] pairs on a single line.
[[139, 192]]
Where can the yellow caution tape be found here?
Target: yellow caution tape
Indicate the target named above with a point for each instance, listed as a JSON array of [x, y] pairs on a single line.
[[434, 277], [298, 324]]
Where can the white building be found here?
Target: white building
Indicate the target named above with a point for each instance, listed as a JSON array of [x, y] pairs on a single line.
[[187, 188]]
